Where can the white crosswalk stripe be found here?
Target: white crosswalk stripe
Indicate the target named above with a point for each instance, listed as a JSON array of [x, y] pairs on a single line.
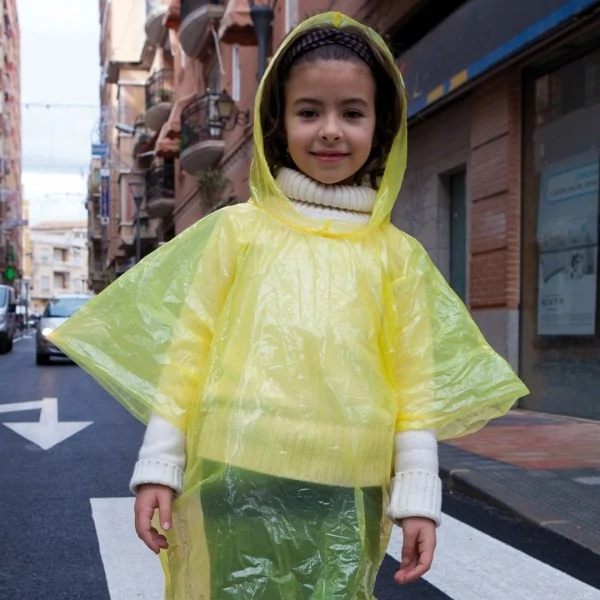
[[468, 565], [132, 571]]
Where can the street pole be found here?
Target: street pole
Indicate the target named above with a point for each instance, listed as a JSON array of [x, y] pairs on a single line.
[[262, 17], [27, 305], [138, 239]]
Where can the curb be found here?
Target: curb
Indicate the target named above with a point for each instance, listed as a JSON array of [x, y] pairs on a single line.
[[476, 485]]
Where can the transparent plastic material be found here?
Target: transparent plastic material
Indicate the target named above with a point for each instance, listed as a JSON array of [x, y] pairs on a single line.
[[289, 351]]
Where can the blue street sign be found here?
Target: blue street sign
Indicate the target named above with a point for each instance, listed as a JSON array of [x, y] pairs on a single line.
[[100, 150], [104, 196]]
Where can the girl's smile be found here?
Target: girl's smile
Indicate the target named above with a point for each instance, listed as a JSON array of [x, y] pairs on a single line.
[[330, 118]]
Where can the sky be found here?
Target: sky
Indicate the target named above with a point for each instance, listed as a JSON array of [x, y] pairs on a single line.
[[59, 66]]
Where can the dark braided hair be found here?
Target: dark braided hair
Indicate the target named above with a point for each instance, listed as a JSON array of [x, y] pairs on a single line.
[[347, 44]]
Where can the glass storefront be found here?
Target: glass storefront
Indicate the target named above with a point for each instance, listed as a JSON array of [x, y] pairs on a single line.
[[560, 333]]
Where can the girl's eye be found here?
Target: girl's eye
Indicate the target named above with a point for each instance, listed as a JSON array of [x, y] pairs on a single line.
[[307, 114], [353, 114]]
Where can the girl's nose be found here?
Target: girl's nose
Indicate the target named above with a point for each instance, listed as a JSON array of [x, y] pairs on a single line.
[[330, 131]]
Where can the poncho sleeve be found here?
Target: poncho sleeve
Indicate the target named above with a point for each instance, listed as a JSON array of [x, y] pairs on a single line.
[[447, 376], [146, 337]]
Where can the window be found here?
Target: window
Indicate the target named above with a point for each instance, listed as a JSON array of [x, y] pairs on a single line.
[[291, 14], [182, 57], [60, 281], [64, 307], [59, 255], [45, 257], [45, 283], [236, 73], [214, 79]]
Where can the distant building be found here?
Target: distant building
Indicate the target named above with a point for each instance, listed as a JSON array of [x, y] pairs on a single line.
[[59, 261]]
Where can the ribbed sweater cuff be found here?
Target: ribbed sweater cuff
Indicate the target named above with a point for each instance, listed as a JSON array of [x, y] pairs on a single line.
[[416, 494], [159, 472]]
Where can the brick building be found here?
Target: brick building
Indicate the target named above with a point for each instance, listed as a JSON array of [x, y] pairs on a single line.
[[502, 178], [11, 259]]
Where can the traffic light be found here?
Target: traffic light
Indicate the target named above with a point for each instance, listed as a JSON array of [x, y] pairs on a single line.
[[10, 273]]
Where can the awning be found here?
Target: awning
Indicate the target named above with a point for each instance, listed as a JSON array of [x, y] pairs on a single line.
[[236, 25], [172, 127], [166, 147], [173, 15]]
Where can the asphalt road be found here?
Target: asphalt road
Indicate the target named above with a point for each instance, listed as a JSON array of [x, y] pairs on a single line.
[[66, 511]]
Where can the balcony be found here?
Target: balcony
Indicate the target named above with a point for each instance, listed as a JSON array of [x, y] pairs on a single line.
[[155, 14], [95, 181], [148, 235], [126, 236], [202, 143], [159, 99], [195, 15], [160, 190], [95, 230]]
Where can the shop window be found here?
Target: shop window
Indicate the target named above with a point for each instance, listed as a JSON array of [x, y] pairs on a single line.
[[570, 88], [458, 233], [560, 308], [592, 78]]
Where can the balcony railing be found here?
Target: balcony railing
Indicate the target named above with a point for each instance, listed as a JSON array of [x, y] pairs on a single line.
[[160, 182], [200, 121], [159, 88], [160, 190], [201, 144], [189, 6]]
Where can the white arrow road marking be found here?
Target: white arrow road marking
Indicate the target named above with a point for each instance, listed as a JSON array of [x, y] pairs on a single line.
[[48, 431]]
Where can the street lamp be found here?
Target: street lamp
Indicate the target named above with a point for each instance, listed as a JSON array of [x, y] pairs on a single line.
[[137, 187], [261, 13], [228, 114]]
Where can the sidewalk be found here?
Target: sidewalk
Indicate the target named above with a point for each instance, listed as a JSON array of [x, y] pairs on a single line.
[[539, 467]]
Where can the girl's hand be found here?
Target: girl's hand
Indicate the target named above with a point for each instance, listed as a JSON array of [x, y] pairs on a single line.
[[151, 496], [417, 550]]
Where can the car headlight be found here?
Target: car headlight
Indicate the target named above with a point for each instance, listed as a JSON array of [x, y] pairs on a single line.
[[47, 331]]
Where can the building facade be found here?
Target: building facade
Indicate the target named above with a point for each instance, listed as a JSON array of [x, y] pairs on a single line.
[[11, 219], [58, 261], [502, 178]]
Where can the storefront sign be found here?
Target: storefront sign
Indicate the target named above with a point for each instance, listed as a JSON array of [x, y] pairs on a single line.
[[104, 196], [445, 59], [568, 246]]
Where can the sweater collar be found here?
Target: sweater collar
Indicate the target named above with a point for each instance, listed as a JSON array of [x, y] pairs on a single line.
[[319, 200]]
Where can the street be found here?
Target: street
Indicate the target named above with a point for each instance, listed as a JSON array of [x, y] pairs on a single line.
[[67, 530]]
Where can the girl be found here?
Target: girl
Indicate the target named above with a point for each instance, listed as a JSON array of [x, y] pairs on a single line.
[[293, 354]]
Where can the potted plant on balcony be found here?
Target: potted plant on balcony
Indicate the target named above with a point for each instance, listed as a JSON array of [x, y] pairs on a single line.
[[165, 95], [211, 184]]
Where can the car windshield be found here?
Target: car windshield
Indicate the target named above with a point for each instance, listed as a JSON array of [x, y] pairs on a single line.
[[64, 307], [3, 296]]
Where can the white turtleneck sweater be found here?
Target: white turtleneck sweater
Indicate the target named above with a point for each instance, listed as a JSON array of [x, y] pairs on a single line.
[[416, 487]]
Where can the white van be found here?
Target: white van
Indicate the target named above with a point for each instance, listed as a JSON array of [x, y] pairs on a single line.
[[8, 318]]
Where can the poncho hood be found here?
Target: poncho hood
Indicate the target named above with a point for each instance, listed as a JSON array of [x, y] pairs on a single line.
[[265, 192]]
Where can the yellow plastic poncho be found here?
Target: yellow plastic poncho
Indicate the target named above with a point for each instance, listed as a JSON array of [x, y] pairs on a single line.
[[294, 349]]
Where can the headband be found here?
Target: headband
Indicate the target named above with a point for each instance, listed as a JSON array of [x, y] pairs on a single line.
[[327, 37]]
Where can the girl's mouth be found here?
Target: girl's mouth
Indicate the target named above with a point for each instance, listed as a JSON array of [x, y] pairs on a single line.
[[329, 157]]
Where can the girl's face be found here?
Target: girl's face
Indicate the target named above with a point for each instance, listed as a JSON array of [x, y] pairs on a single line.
[[330, 118]]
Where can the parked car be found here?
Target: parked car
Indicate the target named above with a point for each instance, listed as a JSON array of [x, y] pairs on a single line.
[[58, 310], [8, 318]]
